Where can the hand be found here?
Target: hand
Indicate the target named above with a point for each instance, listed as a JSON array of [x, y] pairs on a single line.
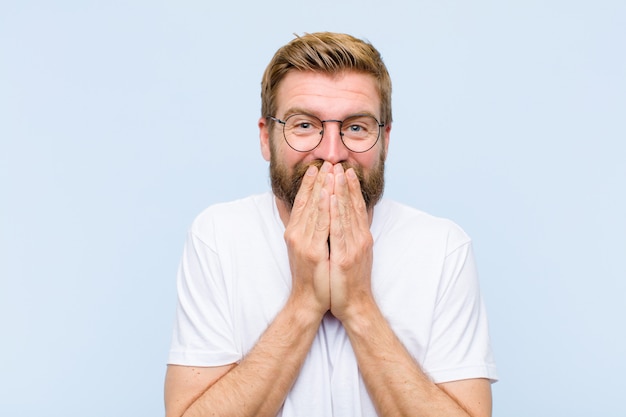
[[306, 236], [351, 246]]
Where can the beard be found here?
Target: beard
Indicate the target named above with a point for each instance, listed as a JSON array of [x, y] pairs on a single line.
[[286, 182]]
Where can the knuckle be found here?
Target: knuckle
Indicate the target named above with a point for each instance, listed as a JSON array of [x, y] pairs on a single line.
[[299, 202], [291, 237], [359, 205]]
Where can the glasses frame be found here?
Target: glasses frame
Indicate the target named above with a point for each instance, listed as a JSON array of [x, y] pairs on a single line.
[[284, 123]]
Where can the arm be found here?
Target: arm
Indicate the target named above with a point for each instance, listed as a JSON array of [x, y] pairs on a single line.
[[259, 384], [396, 383], [185, 384]]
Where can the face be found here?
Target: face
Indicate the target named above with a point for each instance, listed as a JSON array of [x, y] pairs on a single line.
[[328, 98]]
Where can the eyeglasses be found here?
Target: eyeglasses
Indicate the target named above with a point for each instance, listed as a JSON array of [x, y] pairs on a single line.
[[303, 132]]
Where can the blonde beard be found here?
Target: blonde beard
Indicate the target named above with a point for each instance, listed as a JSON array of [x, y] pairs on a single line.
[[286, 182]]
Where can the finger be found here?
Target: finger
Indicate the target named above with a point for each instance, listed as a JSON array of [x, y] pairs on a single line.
[[318, 203], [320, 183], [344, 202], [327, 184], [337, 233], [340, 227], [307, 197], [359, 209], [304, 193], [315, 221], [322, 214]]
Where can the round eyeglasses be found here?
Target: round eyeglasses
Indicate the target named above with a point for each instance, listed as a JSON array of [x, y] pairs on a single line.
[[303, 132]]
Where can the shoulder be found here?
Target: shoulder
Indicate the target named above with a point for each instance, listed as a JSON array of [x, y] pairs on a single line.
[[244, 205], [234, 217], [392, 218]]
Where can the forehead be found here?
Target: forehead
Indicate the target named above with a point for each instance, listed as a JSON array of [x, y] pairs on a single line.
[[328, 96]]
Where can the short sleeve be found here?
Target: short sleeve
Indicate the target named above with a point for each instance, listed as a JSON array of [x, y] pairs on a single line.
[[459, 346], [203, 329]]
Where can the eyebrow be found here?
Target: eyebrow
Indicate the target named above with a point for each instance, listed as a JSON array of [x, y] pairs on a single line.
[[299, 110]]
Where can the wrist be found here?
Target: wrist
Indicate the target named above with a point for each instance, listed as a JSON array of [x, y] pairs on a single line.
[[358, 315], [304, 310]]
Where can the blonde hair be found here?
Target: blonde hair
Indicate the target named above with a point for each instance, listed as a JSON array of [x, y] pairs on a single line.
[[327, 53]]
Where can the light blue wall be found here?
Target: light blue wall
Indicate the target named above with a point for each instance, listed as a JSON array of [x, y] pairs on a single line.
[[120, 121]]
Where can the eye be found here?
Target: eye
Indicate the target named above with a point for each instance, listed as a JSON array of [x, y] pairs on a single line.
[[359, 127], [301, 124]]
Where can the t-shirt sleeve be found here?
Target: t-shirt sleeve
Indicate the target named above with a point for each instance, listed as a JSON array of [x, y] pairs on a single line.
[[203, 329], [459, 347]]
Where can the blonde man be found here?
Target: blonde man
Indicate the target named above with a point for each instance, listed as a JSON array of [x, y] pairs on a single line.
[[321, 298]]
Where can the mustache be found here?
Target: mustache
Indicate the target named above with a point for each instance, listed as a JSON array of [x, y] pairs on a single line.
[[301, 168]]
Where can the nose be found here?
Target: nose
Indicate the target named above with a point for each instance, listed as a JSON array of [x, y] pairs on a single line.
[[331, 148]]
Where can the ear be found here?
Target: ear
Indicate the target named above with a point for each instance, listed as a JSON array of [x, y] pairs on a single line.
[[264, 136], [386, 137]]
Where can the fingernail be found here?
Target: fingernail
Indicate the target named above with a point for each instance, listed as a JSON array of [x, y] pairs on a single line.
[[311, 170], [326, 166], [350, 173]]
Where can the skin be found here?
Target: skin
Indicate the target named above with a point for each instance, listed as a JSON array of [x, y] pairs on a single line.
[[329, 205]]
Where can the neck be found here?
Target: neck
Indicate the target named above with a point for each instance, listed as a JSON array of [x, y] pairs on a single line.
[[283, 210]]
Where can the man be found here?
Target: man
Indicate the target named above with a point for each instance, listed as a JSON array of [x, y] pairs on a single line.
[[321, 298]]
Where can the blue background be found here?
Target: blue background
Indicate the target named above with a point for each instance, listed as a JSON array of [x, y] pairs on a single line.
[[121, 120]]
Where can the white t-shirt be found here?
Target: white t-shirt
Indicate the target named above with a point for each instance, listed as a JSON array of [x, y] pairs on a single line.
[[234, 278]]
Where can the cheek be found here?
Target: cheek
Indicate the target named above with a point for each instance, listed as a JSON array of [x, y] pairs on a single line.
[[283, 155], [276, 153], [367, 161]]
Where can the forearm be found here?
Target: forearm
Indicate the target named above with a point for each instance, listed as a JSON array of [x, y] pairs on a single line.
[[259, 384], [395, 382]]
